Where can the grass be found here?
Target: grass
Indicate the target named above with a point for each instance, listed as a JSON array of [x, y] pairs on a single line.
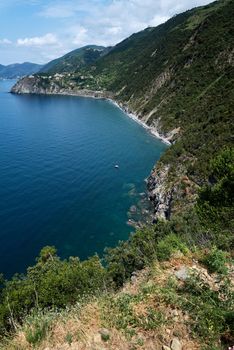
[[156, 304]]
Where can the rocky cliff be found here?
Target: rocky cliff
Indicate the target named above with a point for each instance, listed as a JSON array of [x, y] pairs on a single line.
[[53, 85]]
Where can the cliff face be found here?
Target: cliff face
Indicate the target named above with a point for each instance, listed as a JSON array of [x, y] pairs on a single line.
[[159, 192], [178, 79], [29, 85]]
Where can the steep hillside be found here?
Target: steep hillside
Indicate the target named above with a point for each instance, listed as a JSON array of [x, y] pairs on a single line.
[[176, 304], [170, 285], [178, 78], [17, 70], [74, 60]]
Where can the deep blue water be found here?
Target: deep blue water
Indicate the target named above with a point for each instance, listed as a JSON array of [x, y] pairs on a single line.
[[58, 183]]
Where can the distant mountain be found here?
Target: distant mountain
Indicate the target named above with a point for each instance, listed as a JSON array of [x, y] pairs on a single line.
[[75, 59], [18, 70]]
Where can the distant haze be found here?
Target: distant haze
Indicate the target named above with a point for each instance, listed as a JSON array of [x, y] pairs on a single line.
[[16, 70]]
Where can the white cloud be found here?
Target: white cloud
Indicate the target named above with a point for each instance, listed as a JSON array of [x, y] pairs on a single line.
[[114, 30], [108, 22], [5, 41], [156, 20], [79, 35], [48, 39], [74, 23]]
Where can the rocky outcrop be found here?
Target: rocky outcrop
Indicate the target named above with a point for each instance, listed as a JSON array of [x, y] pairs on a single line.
[[51, 85], [159, 192], [34, 85]]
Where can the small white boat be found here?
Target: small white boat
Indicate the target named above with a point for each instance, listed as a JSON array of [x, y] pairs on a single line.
[[116, 166]]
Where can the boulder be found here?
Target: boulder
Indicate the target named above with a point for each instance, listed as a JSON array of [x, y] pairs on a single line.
[[164, 347], [176, 344], [105, 334], [182, 274]]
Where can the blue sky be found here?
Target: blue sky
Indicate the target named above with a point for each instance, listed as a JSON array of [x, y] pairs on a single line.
[[40, 30]]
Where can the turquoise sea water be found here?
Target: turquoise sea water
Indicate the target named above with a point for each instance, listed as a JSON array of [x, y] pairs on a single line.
[[58, 183]]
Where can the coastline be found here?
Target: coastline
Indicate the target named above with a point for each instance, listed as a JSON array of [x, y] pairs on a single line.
[[134, 117], [162, 199], [100, 95]]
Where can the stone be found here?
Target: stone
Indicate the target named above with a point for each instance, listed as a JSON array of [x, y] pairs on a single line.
[[175, 313], [182, 274], [133, 209], [164, 347], [176, 344], [105, 334], [97, 338], [134, 279]]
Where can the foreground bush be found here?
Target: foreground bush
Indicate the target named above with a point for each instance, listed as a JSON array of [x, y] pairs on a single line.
[[52, 282]]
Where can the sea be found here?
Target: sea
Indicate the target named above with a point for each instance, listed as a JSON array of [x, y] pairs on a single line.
[[72, 175]]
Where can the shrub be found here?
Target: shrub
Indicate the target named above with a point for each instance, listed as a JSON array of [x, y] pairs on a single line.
[[216, 261], [50, 283], [170, 244], [209, 309], [215, 202], [37, 326]]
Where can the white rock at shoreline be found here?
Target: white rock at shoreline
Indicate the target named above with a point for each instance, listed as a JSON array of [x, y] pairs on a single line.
[[134, 117]]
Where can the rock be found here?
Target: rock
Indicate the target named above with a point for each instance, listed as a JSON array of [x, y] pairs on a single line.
[[182, 274], [175, 313], [133, 209], [97, 338], [176, 344], [131, 222], [133, 279], [164, 347], [158, 192], [105, 334]]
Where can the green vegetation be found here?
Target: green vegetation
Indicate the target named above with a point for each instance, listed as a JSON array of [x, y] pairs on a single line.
[[215, 204], [121, 313], [37, 327], [210, 311], [181, 76], [178, 75], [74, 60], [216, 261], [50, 283], [200, 306], [55, 284]]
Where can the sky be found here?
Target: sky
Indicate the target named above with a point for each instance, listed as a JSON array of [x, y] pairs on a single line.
[[41, 30]]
